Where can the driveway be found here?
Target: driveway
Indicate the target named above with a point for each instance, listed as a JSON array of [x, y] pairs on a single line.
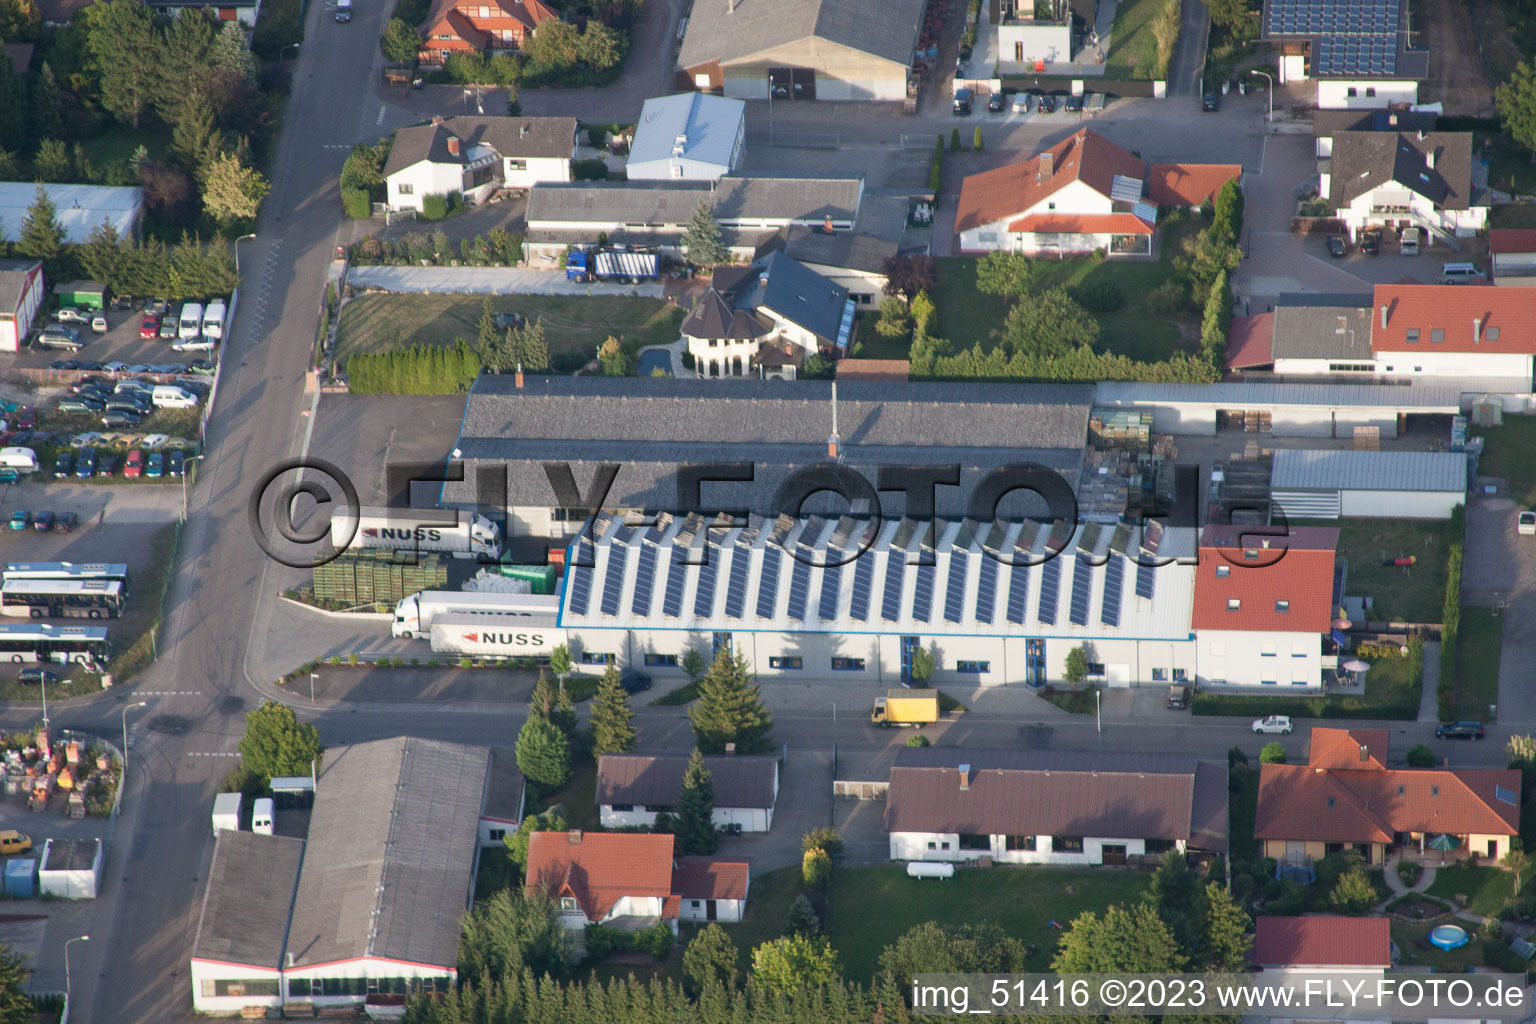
[[491, 280], [1189, 52], [805, 802], [1500, 566]]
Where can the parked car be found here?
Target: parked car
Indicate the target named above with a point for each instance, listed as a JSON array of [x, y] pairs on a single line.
[[63, 465], [1023, 103], [85, 464], [1370, 243], [64, 364], [201, 367], [37, 675], [43, 522], [1459, 731], [1047, 104], [155, 467], [72, 315], [962, 103], [1274, 724], [113, 418], [26, 418], [1073, 105], [80, 403], [133, 467], [157, 307], [61, 342], [1210, 102], [1337, 246], [10, 476], [12, 841], [149, 328], [107, 466], [64, 522], [1526, 524], [175, 463], [21, 519], [99, 324], [997, 102], [168, 328], [634, 682], [197, 344], [1178, 697]]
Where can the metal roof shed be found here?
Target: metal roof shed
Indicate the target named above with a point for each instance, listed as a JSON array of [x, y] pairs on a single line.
[[1333, 484], [71, 868]]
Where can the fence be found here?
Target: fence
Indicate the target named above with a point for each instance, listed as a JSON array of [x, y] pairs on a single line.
[[860, 789], [799, 140], [218, 367]]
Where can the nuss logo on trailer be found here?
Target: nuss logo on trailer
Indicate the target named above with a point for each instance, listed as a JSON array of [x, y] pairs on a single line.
[[407, 533], [504, 639]]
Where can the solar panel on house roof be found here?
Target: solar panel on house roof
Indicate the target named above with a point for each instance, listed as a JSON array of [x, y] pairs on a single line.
[[895, 576], [1353, 36], [863, 584], [768, 583], [954, 590], [922, 593], [1018, 594], [1050, 589], [1082, 584], [1114, 588], [986, 588]]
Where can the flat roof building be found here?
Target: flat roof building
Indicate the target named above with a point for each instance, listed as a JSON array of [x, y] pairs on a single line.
[[80, 208], [688, 136]]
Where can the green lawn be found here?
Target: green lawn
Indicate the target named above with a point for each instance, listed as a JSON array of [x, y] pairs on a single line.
[[1486, 888], [682, 695], [1390, 693], [869, 343], [496, 872], [118, 142], [870, 908], [1412, 939], [1509, 451], [1242, 809], [577, 798], [1132, 48], [1414, 593], [1478, 644], [574, 325], [1510, 168], [767, 909], [967, 317]]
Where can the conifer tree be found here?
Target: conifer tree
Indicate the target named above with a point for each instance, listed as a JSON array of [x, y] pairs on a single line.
[[695, 829], [613, 729], [730, 709]]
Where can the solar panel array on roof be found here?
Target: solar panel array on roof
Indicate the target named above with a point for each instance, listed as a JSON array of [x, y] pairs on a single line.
[[581, 576], [831, 581], [645, 579], [986, 588], [922, 593], [1353, 36], [1018, 593], [1050, 589], [618, 558], [736, 583], [863, 584], [954, 590], [1146, 572], [677, 574], [768, 583], [704, 592], [1114, 587], [1125, 189], [895, 576], [1082, 585]]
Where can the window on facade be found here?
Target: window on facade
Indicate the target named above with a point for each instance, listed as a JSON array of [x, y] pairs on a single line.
[[932, 845], [848, 664], [517, 165], [1491, 333], [1159, 675], [405, 189], [1181, 675], [986, 236], [1234, 604], [216, 987], [974, 668], [596, 658], [1400, 790], [1025, 843], [497, 834], [1436, 335], [697, 904], [1223, 571], [479, 176], [654, 660], [1094, 668], [1067, 844], [974, 841], [658, 809], [622, 808], [1352, 91], [1370, 90], [1434, 790], [568, 904], [795, 663], [1268, 682]]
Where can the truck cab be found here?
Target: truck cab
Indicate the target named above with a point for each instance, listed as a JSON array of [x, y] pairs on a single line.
[[578, 266], [407, 622], [485, 537]]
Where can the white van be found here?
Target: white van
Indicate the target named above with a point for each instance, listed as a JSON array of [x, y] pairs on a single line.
[[213, 320], [169, 396], [1408, 242], [262, 814], [343, 10], [191, 323], [22, 459], [1460, 273]]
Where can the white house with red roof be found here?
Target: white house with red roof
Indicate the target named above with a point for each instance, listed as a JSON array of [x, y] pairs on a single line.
[[1437, 330], [1082, 194], [478, 27], [1263, 606], [1322, 943]]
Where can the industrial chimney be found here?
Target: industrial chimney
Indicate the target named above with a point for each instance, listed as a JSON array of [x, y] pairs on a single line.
[[1477, 330]]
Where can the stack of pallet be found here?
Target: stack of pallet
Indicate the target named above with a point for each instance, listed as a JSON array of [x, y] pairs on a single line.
[[375, 576], [1118, 429]]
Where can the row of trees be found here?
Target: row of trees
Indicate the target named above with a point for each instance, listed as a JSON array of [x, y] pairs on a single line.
[[497, 247], [418, 370], [556, 53], [189, 268]]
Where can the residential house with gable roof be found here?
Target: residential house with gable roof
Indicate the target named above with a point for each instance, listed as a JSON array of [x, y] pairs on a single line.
[[472, 157], [632, 789], [1361, 53], [1346, 797], [478, 26], [766, 319], [1322, 942], [1404, 179]]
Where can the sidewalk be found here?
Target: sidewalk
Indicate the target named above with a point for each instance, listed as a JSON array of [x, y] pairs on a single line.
[[492, 280], [1429, 705]]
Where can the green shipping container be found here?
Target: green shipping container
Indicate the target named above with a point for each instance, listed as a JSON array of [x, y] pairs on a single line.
[[90, 294], [541, 579]]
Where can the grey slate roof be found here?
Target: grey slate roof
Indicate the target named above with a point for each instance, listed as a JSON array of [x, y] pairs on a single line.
[[1441, 397], [1329, 122], [1320, 326], [731, 199], [796, 293], [739, 781], [1103, 794], [505, 790], [1328, 470], [251, 881], [392, 839], [1364, 160], [732, 31], [518, 137], [13, 280], [713, 317], [710, 125], [846, 249], [416, 143]]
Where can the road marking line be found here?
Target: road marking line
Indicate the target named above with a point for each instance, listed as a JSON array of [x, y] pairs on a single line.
[[212, 753], [170, 693], [381, 115]]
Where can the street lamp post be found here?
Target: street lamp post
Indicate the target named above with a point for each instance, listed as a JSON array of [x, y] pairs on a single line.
[[77, 938], [42, 681], [127, 708], [1270, 116], [237, 251]]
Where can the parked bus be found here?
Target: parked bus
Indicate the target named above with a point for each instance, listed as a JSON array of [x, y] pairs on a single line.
[[67, 571], [55, 599], [25, 643]]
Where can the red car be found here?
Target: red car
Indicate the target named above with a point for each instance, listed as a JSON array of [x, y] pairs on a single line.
[[26, 418], [135, 464], [149, 327]]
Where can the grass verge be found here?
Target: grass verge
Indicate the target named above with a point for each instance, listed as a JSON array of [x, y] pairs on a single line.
[[675, 698], [152, 584], [1132, 46], [1478, 643], [1412, 593], [1391, 692]]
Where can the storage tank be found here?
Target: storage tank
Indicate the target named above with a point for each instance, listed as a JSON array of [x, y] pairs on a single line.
[[21, 878], [927, 869]]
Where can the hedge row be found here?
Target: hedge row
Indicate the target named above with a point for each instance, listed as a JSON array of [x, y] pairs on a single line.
[[418, 370]]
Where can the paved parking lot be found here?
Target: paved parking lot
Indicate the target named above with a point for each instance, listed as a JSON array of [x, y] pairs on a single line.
[[1500, 566], [120, 344]]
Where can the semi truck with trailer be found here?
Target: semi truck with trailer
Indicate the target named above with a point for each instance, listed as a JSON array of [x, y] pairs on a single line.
[[461, 534], [630, 266], [482, 636], [904, 707], [416, 614]]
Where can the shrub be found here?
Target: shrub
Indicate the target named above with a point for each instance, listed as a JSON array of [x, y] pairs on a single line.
[[1236, 758], [355, 203], [434, 207], [816, 868], [1098, 296], [1409, 871], [1168, 298], [1421, 756], [917, 741], [588, 170], [827, 839], [1273, 753]]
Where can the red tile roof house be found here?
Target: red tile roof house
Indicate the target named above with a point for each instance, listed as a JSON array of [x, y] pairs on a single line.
[[1322, 942], [471, 26], [1082, 194], [1346, 796], [1263, 607], [631, 880], [1443, 330]]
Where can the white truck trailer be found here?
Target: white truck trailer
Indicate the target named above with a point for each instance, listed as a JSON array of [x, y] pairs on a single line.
[[226, 812], [415, 614], [479, 636], [461, 534]]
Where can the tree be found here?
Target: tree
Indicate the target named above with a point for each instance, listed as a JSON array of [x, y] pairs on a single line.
[[710, 959], [692, 663], [826, 838], [976, 139], [1227, 215], [612, 358], [231, 191], [52, 161], [701, 239], [543, 755], [1227, 941], [15, 1005], [276, 744], [527, 346], [231, 53], [1177, 896], [802, 919], [613, 728], [560, 663], [1125, 940], [399, 42], [486, 335], [599, 47], [1008, 274], [13, 107], [183, 61], [124, 52], [922, 313], [101, 256], [695, 829], [816, 868], [1353, 893], [508, 932], [792, 962], [546, 703], [937, 948], [517, 842], [1273, 753], [730, 709], [1051, 324], [1075, 669], [1420, 756], [1228, 13], [894, 320], [1517, 861], [954, 138], [921, 669], [196, 137], [908, 275]]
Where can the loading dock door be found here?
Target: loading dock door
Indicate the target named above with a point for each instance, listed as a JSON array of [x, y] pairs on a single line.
[[792, 83]]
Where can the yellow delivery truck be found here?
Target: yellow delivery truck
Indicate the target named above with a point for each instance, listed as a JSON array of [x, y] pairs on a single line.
[[906, 707]]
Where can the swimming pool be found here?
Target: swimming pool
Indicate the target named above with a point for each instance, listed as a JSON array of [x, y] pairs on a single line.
[[1448, 936], [655, 359]]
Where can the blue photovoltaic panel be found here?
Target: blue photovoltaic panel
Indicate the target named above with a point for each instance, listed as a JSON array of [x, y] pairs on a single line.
[[863, 584], [831, 580], [1050, 589], [677, 575], [954, 591], [799, 585], [986, 588], [736, 584], [895, 575], [704, 593], [581, 578], [1146, 580], [613, 581], [645, 580], [1082, 583], [1114, 587], [768, 583], [922, 593], [1018, 593]]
